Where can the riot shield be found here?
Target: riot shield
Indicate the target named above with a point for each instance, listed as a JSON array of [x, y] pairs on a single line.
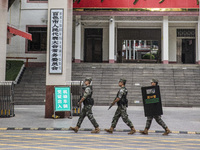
[[152, 101]]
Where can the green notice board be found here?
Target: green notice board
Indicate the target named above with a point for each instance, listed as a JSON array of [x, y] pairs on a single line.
[[62, 99]]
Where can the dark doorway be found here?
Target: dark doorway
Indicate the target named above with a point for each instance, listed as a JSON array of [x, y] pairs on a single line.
[[93, 45], [188, 51]]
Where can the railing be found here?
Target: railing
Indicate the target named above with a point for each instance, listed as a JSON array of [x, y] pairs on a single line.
[[7, 99], [27, 58], [139, 51]]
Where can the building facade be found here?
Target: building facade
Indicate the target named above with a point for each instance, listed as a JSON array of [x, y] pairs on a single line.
[[113, 31]]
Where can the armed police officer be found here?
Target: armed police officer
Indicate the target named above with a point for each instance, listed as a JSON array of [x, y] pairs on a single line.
[[122, 102], [87, 109], [154, 82]]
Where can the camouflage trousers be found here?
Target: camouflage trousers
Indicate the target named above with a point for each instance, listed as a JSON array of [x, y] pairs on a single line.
[[87, 111], [158, 120], [121, 112]]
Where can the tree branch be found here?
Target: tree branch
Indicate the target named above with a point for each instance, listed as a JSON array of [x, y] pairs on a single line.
[[161, 1], [135, 2]]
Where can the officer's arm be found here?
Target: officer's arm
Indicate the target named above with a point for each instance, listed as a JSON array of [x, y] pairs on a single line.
[[82, 99], [121, 92], [116, 100], [85, 95]]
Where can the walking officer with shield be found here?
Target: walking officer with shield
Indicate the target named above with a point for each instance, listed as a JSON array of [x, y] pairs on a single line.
[[153, 107]]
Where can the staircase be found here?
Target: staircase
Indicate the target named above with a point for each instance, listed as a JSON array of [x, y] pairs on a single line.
[[32, 88], [179, 84]]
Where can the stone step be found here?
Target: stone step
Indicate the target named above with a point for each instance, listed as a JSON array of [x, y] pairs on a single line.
[[32, 88], [178, 83]]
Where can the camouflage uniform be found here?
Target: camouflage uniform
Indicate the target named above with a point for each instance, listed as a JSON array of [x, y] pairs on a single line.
[[121, 110], [158, 120], [87, 109]]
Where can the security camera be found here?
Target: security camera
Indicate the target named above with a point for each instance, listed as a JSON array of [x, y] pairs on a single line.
[[77, 23], [111, 19]]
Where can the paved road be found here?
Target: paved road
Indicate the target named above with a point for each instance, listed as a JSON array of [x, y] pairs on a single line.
[[67, 140], [32, 116]]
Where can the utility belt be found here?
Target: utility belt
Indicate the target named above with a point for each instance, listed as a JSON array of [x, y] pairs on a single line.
[[123, 102], [88, 101]]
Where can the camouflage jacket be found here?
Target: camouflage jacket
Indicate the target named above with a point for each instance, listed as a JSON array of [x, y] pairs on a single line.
[[122, 94], [88, 92]]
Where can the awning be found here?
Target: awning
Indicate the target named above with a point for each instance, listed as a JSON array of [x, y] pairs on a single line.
[[23, 34]]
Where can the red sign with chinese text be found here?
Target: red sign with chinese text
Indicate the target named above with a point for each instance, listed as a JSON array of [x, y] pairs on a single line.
[[139, 4]]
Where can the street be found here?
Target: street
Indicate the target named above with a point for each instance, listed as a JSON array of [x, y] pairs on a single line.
[[54, 140]]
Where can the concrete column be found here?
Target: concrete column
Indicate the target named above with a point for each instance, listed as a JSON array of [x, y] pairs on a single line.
[[3, 37], [78, 40], [165, 40], [112, 40], [59, 79], [198, 43]]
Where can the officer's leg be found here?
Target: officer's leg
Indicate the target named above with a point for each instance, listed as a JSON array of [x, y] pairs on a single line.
[[80, 120], [91, 117], [82, 116], [149, 121], [114, 120], [148, 125], [162, 123], [125, 118], [116, 117]]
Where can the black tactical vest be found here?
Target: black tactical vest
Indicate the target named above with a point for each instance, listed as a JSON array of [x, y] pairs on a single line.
[[89, 100], [123, 101]]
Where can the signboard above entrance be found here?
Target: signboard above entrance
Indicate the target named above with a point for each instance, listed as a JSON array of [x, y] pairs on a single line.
[[137, 4]]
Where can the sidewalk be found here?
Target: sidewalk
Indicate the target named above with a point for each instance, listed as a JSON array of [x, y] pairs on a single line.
[[32, 116]]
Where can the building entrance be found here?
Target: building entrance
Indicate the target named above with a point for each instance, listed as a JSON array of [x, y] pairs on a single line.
[[93, 45], [188, 51], [139, 45]]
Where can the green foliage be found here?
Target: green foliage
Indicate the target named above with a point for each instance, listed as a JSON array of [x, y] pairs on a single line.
[[147, 56], [12, 69]]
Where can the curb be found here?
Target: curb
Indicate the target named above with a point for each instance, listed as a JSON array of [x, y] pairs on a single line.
[[87, 129]]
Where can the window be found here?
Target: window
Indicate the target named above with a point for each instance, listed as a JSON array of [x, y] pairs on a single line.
[[39, 42], [37, 1], [185, 32], [140, 49]]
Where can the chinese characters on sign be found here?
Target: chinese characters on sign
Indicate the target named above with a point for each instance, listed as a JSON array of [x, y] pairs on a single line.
[[56, 41], [62, 99]]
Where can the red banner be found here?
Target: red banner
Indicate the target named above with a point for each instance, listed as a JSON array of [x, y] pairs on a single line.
[[138, 4]]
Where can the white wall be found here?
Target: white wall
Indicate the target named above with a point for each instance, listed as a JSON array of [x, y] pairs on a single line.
[[3, 37], [82, 43], [105, 44], [173, 38], [172, 44], [30, 14]]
